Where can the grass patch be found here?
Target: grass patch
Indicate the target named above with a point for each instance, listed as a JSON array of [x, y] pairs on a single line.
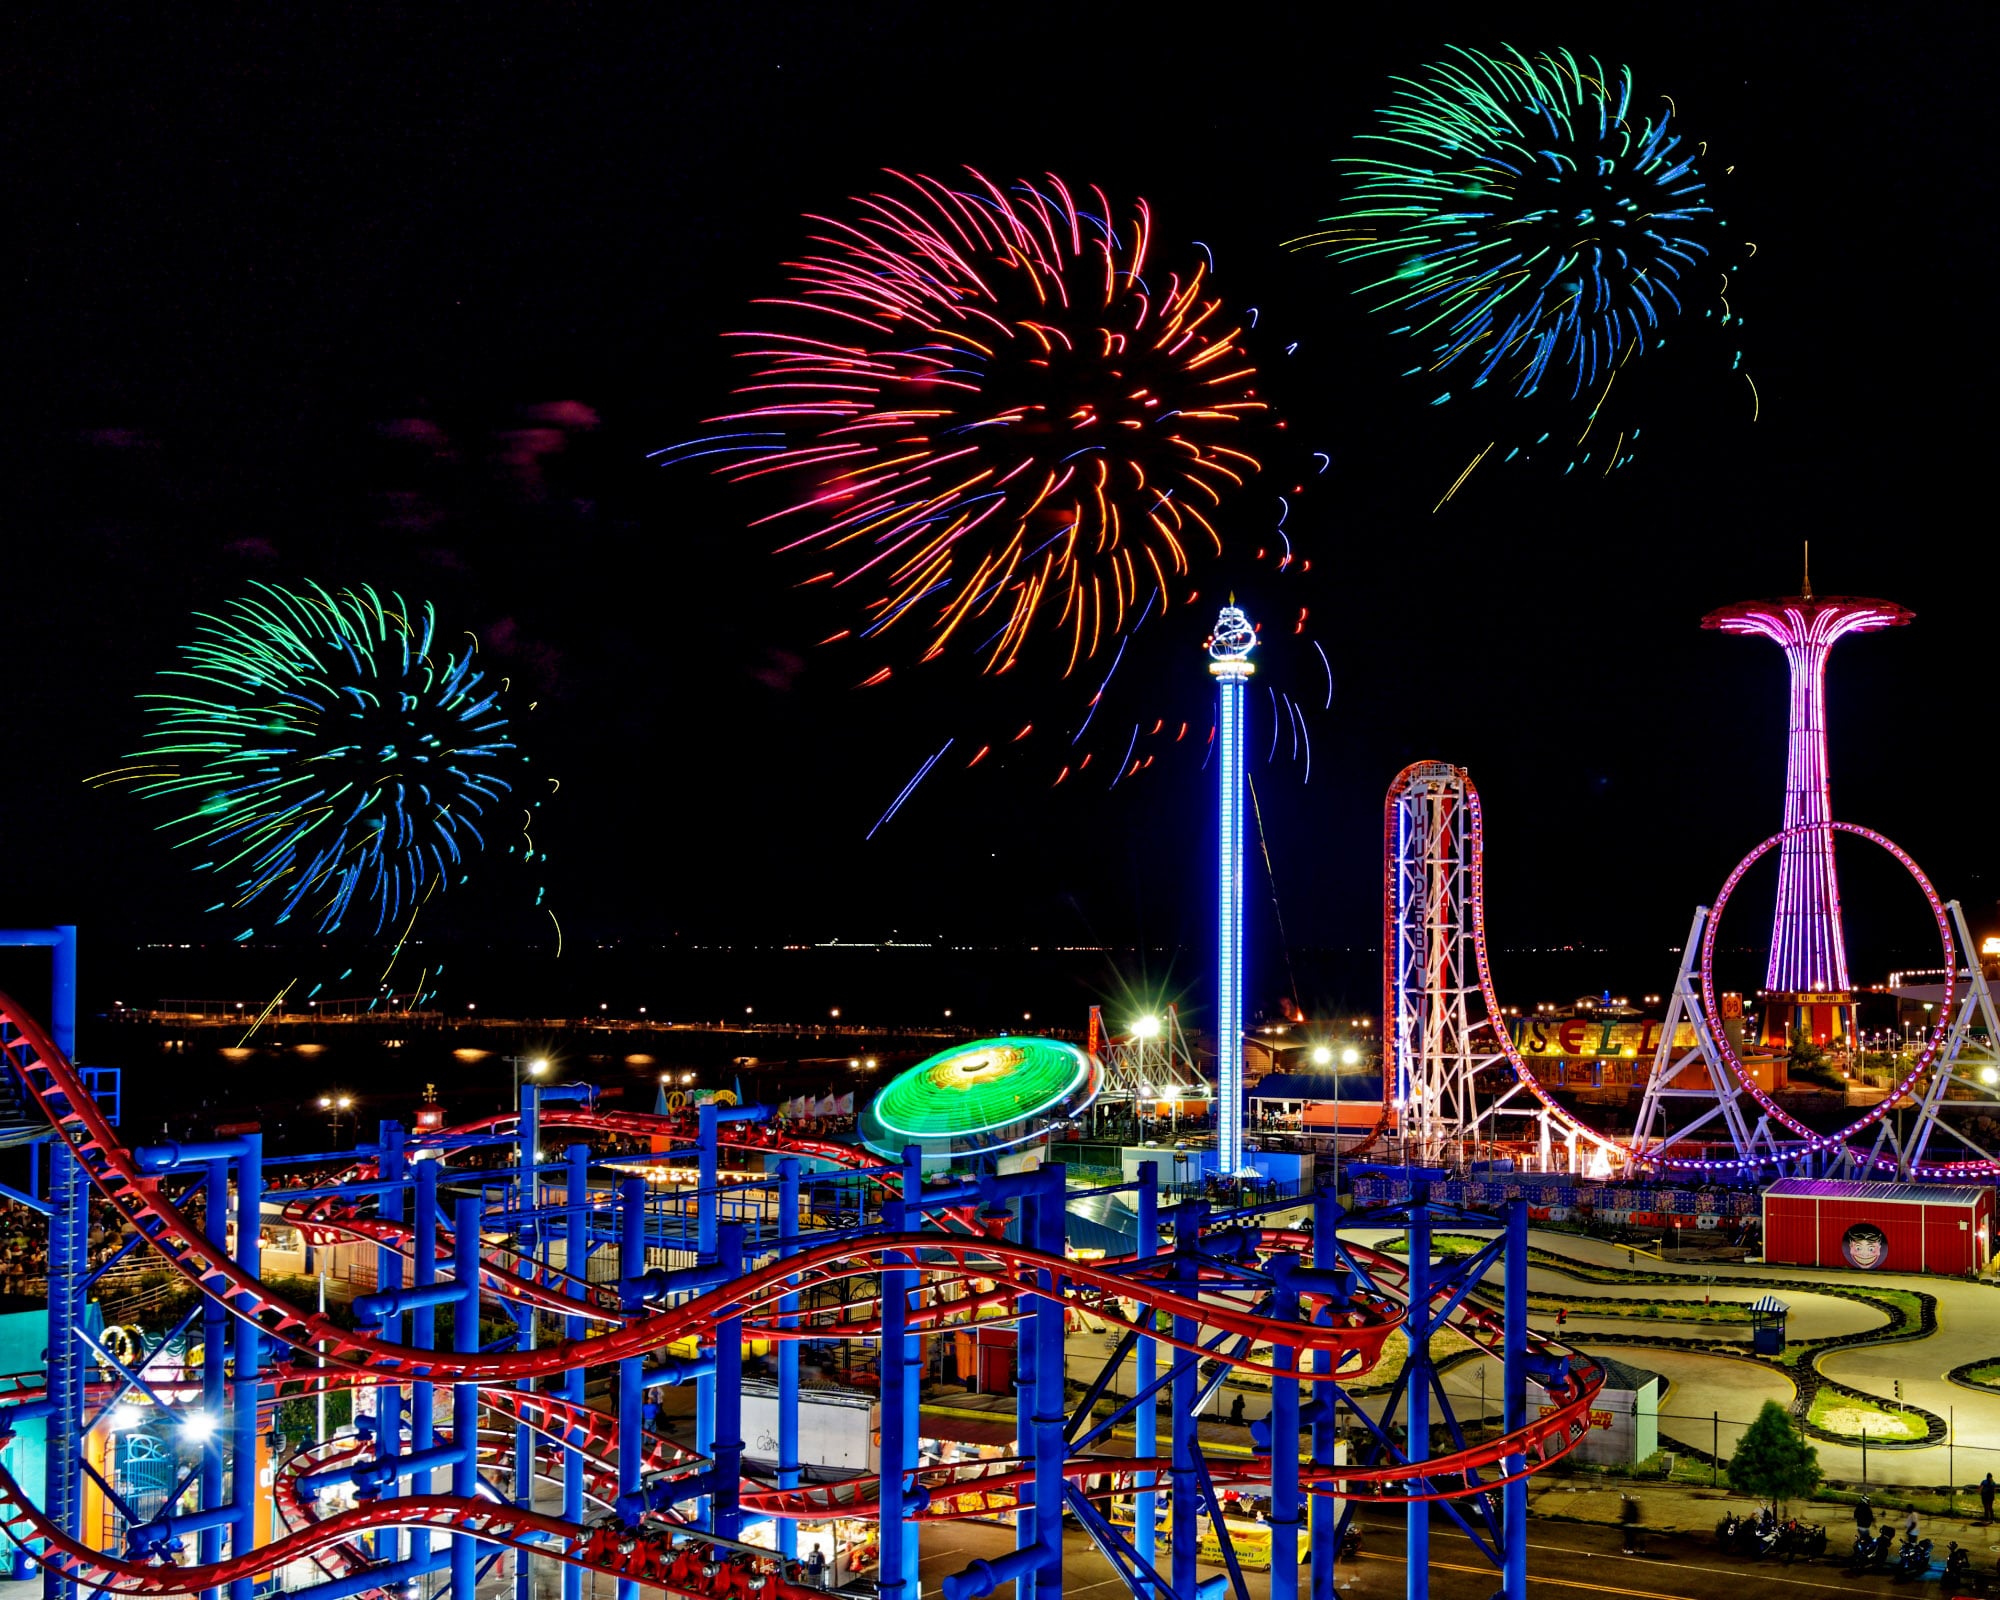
[[1987, 1372], [1852, 1416]]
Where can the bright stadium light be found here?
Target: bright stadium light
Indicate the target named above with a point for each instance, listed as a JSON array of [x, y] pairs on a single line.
[[1350, 1056], [1146, 1028], [1321, 1055], [199, 1428]]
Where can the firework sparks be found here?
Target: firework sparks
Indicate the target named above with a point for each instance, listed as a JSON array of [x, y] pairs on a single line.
[[1001, 416], [1533, 229], [326, 753]]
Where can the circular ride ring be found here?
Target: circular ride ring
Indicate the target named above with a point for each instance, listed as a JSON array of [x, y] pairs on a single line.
[[1924, 1061], [985, 1095], [1569, 1120]]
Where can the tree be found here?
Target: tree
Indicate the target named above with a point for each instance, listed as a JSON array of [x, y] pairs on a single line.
[[1773, 1460]]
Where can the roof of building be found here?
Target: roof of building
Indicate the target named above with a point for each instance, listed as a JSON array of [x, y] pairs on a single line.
[[1620, 1375], [1905, 1194], [1356, 1086]]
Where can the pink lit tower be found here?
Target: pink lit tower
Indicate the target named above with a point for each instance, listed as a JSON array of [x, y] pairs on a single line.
[[1806, 994]]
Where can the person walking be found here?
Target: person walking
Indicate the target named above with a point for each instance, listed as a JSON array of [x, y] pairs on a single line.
[[1236, 1410], [1628, 1522], [1910, 1526], [1986, 1487]]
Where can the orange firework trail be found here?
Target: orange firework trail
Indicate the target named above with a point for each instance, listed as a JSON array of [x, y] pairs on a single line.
[[1001, 418]]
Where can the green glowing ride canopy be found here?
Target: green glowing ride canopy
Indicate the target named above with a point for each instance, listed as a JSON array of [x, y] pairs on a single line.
[[981, 1096]]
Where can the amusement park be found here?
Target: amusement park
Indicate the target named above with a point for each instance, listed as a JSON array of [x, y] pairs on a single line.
[[980, 596]]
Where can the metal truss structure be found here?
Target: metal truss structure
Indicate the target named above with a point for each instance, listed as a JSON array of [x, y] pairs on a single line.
[[1702, 1112], [1150, 1061], [584, 1266], [1432, 1060]]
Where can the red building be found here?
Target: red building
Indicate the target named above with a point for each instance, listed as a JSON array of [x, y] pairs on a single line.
[[1886, 1227]]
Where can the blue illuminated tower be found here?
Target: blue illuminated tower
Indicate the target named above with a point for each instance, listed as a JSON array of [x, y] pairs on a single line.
[[1229, 660]]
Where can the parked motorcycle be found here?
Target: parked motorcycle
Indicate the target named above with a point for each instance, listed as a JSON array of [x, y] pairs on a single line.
[[1913, 1560], [1802, 1541], [1725, 1532], [1957, 1576], [1871, 1550], [1350, 1543]]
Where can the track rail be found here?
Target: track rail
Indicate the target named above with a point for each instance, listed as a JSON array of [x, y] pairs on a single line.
[[987, 1272]]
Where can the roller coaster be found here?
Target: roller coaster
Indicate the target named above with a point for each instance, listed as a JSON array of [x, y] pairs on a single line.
[[505, 1282], [1445, 1026]]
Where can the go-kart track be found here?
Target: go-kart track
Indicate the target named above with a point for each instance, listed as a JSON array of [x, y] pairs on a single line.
[[592, 1270]]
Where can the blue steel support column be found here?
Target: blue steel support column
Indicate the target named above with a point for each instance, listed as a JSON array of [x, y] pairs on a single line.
[[68, 1258], [1229, 660], [897, 1575], [1050, 1217], [247, 1532], [1326, 1429], [527, 1240], [1146, 1356], [576, 1262], [788, 1355], [1284, 1425], [423, 1334], [1514, 1404], [1417, 1392], [1188, 1218], [465, 1396], [708, 1207], [394, 1164], [725, 1515], [631, 1417], [214, 1363]]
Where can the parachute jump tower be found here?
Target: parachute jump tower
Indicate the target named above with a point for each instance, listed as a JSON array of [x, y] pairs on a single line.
[[1806, 992], [1229, 650]]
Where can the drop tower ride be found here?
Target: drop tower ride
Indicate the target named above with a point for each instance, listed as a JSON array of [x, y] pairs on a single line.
[[1807, 997], [1229, 650]]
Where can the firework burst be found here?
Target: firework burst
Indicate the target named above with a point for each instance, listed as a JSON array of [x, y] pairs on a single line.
[[1000, 417], [1530, 226], [325, 753]]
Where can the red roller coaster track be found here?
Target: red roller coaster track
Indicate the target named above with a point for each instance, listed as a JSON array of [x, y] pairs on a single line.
[[1352, 1334]]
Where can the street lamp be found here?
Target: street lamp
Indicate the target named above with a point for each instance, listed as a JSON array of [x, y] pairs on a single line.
[[336, 1106], [1146, 1028]]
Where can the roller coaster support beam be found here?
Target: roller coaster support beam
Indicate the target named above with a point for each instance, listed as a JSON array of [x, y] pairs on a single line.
[[1327, 1515], [1188, 1217], [69, 1260], [392, 1162], [465, 1396], [1044, 1227], [247, 1532], [631, 1394], [726, 1449], [788, 1355], [576, 1264], [423, 1333], [1146, 1372], [899, 1358], [1417, 1391], [214, 1370], [1284, 1433], [1514, 1406], [528, 1234]]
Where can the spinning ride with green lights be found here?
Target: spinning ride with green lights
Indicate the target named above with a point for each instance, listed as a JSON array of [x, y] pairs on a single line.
[[986, 1095]]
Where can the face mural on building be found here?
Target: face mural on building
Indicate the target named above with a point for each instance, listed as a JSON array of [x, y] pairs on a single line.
[[1865, 1246]]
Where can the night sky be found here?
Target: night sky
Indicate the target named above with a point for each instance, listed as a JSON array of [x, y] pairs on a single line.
[[407, 295]]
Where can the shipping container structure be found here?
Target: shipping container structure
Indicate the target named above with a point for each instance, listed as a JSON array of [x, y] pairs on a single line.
[[1878, 1227]]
